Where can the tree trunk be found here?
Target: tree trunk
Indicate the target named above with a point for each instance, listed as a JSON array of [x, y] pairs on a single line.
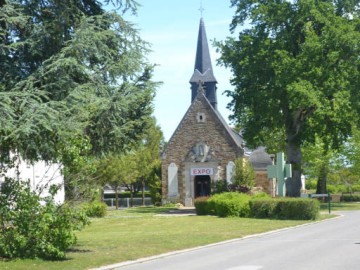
[[293, 184], [143, 192], [324, 169], [102, 199], [116, 198], [132, 190], [322, 179]]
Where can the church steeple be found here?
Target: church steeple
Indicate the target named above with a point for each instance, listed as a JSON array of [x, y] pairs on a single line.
[[203, 69]]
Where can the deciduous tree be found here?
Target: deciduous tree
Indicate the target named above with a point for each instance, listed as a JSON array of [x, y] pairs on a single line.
[[148, 158], [352, 152], [296, 69], [117, 170]]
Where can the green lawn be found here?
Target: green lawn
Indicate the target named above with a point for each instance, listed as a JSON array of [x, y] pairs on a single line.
[[341, 206], [139, 232]]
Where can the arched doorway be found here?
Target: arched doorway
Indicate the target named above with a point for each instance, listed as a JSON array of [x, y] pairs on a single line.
[[202, 185]]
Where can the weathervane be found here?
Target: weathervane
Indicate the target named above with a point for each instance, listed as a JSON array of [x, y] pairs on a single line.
[[201, 9]]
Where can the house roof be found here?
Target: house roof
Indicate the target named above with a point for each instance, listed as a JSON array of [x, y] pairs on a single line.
[[259, 159]]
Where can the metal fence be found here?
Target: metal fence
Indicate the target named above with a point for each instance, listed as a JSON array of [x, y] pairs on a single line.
[[126, 202]]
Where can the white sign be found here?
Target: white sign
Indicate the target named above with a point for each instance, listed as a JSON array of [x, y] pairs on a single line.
[[202, 171]]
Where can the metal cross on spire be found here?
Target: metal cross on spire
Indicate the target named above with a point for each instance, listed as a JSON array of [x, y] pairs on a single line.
[[201, 9]]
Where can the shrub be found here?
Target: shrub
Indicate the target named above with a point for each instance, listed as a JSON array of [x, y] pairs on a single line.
[[230, 204], [262, 207], [285, 208], [201, 206], [31, 226], [350, 198], [169, 204], [239, 188], [297, 208], [227, 208], [154, 184], [260, 195], [95, 209], [211, 209], [219, 186]]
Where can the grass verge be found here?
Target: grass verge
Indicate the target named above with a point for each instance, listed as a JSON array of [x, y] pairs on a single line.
[[340, 206], [139, 232]]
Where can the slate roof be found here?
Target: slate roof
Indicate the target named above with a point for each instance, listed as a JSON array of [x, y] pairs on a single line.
[[259, 159], [239, 141], [203, 69]]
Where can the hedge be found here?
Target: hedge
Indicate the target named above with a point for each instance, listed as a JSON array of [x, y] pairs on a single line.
[[227, 204], [350, 198], [262, 208], [201, 206], [233, 204], [285, 208]]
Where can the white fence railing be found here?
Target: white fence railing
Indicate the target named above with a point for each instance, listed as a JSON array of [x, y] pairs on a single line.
[[126, 202]]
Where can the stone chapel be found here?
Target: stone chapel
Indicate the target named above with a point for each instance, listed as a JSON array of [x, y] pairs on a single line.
[[203, 148]]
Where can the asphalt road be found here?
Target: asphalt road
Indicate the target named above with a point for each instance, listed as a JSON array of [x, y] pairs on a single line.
[[331, 244]]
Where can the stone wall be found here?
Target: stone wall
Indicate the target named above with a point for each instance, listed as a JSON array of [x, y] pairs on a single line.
[[262, 180], [200, 124]]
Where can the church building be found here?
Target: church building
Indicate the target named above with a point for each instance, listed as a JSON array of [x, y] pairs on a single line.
[[203, 148]]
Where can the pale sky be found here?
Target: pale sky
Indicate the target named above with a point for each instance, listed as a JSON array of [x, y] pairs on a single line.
[[171, 26]]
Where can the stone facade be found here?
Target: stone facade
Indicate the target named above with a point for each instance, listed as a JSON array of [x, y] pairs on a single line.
[[202, 140]]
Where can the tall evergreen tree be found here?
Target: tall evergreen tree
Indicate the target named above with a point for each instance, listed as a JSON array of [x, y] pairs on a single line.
[[69, 69], [296, 69]]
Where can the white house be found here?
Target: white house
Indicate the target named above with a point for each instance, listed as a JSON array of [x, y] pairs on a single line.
[[41, 176]]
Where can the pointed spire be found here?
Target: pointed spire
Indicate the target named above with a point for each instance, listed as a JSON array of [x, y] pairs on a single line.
[[202, 59], [203, 69]]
